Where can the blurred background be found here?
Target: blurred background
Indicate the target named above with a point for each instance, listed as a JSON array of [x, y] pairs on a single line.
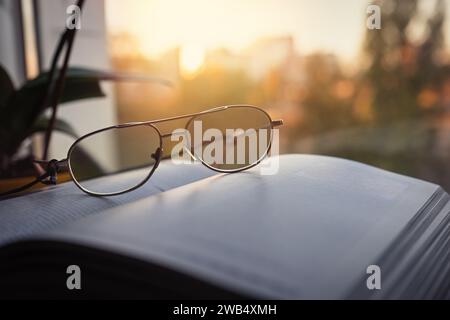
[[381, 97]]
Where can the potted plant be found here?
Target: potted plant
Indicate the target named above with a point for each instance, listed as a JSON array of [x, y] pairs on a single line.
[[22, 109]]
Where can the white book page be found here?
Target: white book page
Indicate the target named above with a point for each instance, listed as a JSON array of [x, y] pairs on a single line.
[[54, 206], [309, 231]]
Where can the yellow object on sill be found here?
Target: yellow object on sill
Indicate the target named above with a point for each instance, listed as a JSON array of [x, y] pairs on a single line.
[[13, 183]]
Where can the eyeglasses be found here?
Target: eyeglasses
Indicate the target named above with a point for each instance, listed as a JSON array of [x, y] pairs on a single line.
[[119, 159]]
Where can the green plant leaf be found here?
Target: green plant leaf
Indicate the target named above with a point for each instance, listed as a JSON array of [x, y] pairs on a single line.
[[27, 104], [60, 125], [6, 86], [88, 74]]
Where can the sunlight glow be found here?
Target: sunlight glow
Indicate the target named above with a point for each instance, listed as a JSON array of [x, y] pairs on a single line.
[[191, 59], [315, 25]]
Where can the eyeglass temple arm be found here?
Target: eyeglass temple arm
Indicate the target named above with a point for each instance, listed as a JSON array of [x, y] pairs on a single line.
[[277, 123], [274, 123]]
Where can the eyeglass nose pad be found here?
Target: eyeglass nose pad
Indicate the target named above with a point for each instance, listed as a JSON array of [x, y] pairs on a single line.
[[157, 155]]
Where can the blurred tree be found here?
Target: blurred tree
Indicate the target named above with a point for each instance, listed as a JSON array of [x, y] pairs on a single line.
[[400, 67], [328, 95], [212, 87]]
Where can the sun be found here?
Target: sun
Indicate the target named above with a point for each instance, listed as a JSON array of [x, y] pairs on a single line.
[[191, 59]]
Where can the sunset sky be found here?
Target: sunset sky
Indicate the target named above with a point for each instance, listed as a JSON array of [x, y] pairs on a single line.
[[331, 26]]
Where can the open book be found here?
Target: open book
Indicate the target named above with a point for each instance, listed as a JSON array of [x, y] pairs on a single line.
[[310, 231]]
